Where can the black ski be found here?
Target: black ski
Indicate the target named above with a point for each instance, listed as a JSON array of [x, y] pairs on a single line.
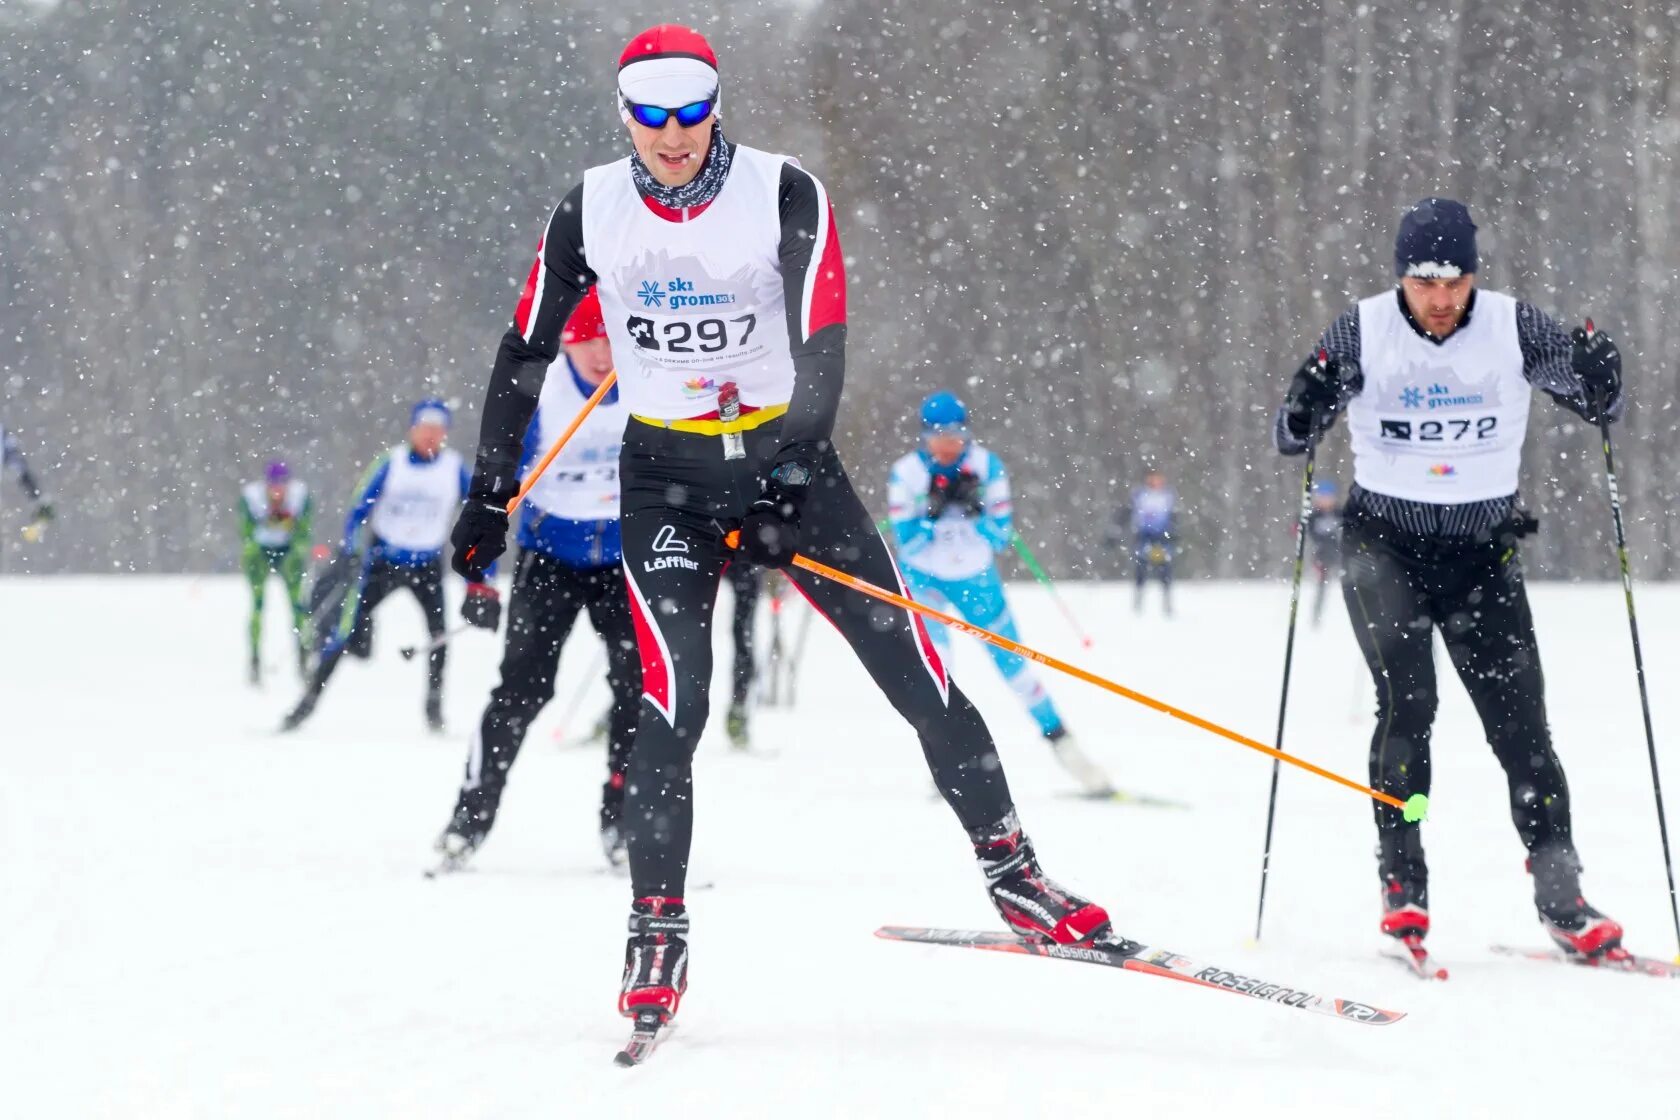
[[644, 1036], [1118, 952]]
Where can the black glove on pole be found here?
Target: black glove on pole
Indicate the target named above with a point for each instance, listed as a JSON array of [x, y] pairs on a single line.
[[770, 530], [1600, 368], [482, 606], [479, 538]]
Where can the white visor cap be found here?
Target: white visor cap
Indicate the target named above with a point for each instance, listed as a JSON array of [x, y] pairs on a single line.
[[670, 83]]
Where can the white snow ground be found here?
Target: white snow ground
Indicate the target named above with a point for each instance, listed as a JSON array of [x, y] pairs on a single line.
[[201, 918]]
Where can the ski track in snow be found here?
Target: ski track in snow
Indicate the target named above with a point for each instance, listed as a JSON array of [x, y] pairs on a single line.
[[205, 919]]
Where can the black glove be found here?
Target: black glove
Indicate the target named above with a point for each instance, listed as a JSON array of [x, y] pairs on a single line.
[[963, 491], [770, 531], [482, 606], [1598, 364], [1315, 396], [479, 537]]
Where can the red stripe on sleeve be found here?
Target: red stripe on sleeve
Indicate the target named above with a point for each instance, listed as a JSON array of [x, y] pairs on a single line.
[[527, 301], [828, 294]]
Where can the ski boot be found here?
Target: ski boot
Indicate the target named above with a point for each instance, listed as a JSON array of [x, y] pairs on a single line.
[[434, 711], [254, 672], [1077, 763], [294, 718], [456, 844], [1406, 910], [1030, 903], [655, 959], [736, 725], [1577, 928]]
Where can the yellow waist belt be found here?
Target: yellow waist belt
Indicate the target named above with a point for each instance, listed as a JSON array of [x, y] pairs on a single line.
[[715, 427]]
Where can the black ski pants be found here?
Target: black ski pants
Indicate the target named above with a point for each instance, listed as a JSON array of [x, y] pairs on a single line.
[[1400, 588], [745, 580], [355, 630], [680, 497], [548, 595]]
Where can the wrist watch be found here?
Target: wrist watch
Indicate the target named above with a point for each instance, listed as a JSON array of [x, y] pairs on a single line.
[[791, 474]]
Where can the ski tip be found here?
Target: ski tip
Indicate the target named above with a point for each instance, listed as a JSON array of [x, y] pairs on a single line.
[[1440, 974], [623, 1059], [1365, 1013]]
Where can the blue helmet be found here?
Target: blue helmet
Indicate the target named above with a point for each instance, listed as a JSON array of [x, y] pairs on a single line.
[[429, 411], [943, 412]]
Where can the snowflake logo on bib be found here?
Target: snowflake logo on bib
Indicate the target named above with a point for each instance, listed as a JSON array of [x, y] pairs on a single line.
[[650, 295]]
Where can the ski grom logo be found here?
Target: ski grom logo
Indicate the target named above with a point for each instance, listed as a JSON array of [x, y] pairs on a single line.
[[1437, 395]]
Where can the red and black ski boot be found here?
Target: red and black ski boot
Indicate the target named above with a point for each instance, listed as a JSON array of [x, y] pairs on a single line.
[[1033, 905], [1406, 910], [1577, 928], [655, 959]]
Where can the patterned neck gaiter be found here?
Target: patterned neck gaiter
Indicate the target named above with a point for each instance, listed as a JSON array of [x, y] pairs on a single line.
[[699, 190]]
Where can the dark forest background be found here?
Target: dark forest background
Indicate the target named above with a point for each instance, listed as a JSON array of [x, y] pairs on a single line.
[[238, 229]]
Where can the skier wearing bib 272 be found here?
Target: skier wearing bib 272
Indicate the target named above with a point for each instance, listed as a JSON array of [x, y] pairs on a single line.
[[274, 518], [568, 562], [721, 277], [1435, 377], [951, 511], [405, 499]]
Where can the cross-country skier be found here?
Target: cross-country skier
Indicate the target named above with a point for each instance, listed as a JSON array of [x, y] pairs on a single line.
[[951, 512], [568, 562], [1152, 509], [1324, 537], [1435, 377], [11, 457], [405, 500], [722, 280], [274, 533]]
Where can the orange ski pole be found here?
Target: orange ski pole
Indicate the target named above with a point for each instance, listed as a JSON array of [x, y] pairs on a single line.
[[601, 390], [1414, 808]]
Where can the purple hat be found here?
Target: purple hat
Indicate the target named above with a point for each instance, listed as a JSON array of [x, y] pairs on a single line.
[[277, 473]]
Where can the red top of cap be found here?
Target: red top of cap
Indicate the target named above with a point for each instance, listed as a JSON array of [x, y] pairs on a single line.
[[586, 321], [668, 40]]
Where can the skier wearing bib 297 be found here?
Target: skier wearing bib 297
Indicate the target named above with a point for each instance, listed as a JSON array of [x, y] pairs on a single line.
[[951, 512], [1435, 377], [723, 285], [568, 562], [274, 520], [405, 500]]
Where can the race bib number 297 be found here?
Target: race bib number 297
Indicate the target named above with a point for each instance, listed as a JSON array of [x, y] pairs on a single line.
[[691, 336]]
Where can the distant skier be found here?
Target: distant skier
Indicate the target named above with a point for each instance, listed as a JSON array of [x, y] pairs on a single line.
[[1324, 538], [274, 531], [1435, 377], [406, 500], [11, 457], [569, 562], [951, 512], [1151, 522]]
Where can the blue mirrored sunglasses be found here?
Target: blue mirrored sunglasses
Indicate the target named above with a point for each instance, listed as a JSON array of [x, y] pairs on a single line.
[[654, 116]]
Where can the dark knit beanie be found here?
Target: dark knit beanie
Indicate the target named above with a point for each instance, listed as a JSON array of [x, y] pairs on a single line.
[[1436, 239]]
